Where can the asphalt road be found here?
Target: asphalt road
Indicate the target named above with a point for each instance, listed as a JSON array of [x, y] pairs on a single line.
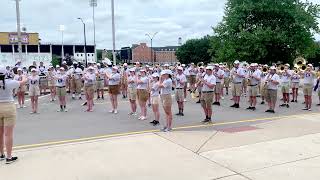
[[50, 125]]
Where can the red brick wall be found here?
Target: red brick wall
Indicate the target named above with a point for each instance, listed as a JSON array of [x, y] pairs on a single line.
[[166, 56], [141, 53]]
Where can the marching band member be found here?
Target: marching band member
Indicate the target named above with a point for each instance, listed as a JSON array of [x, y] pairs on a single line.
[[165, 86], [100, 81], [132, 87], [318, 86], [114, 88], [22, 89], [89, 83], [34, 90], [61, 81], [272, 80], [200, 75], [8, 115], [226, 80], [295, 81], [124, 81], [155, 98], [254, 81], [181, 80], [76, 81], [245, 80], [218, 73], [43, 79], [51, 83], [185, 72], [208, 83], [238, 76], [285, 79], [308, 81], [192, 75], [263, 84], [142, 93]]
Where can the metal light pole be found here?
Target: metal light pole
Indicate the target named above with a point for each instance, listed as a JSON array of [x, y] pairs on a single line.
[[19, 29], [151, 39], [85, 41], [93, 4], [113, 34], [62, 28]]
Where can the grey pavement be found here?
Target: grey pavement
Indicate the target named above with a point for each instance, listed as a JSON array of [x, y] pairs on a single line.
[[50, 125], [284, 149]]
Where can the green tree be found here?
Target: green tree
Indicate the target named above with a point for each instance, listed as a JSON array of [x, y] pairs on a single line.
[[55, 60], [194, 51], [266, 31], [99, 55], [110, 56]]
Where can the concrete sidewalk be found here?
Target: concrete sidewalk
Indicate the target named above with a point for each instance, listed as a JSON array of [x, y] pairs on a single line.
[[286, 149]]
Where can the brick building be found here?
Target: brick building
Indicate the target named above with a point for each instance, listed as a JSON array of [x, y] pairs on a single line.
[[142, 53]]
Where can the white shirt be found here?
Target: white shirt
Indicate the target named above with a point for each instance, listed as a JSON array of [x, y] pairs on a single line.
[[61, 79], [167, 89], [255, 74], [155, 90], [295, 78], [33, 80], [90, 79], [240, 72], [219, 73], [180, 80], [6, 94], [144, 84], [114, 79], [132, 84], [285, 78], [309, 78], [269, 78], [211, 79], [102, 73]]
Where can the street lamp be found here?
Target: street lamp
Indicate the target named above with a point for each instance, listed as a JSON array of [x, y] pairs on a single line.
[[93, 4], [85, 41], [62, 28], [151, 39], [113, 34], [19, 29]]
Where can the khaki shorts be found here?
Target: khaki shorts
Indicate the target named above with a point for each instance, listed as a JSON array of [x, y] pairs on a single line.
[[61, 91], [8, 114], [22, 88], [218, 88], [100, 85], [253, 91], [34, 91], [294, 85], [132, 93], [43, 82], [114, 89], [206, 99], [143, 95], [263, 89], [76, 85], [236, 89], [245, 82], [193, 79], [307, 90], [226, 82], [166, 100], [155, 100], [179, 95], [285, 88], [51, 83], [271, 95], [89, 89]]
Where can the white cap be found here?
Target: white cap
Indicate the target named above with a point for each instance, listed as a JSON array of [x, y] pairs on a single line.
[[125, 64], [183, 65], [98, 64], [50, 66], [310, 65], [3, 70], [237, 62], [288, 65], [155, 75], [19, 69], [166, 65], [273, 68], [142, 70], [91, 68], [252, 65], [75, 62], [180, 68], [64, 62], [34, 69], [216, 64], [115, 67], [57, 66], [132, 69], [209, 68], [166, 72], [62, 68]]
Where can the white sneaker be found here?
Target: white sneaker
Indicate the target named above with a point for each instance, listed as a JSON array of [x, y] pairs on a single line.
[[111, 111], [115, 112], [140, 118], [143, 118], [222, 98], [65, 110], [184, 100]]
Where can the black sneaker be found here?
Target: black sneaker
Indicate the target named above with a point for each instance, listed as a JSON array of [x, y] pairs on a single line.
[[234, 105], [262, 102], [269, 110], [2, 157], [207, 121], [272, 111], [156, 123], [253, 108], [287, 105], [292, 100], [305, 109], [237, 106], [178, 114], [249, 108], [318, 104], [152, 122], [218, 103], [102, 98], [296, 101], [11, 160], [198, 102], [282, 105], [181, 114]]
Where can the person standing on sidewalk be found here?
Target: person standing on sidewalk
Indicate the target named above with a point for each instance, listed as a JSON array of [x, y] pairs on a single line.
[[272, 80], [22, 89], [295, 81], [165, 86], [181, 80], [238, 76], [89, 82], [8, 115], [61, 81], [155, 98], [285, 85], [208, 83], [253, 83], [114, 88], [34, 90], [132, 91], [308, 82], [219, 74], [142, 82]]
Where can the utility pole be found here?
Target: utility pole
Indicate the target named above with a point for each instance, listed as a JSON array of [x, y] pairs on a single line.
[[85, 41], [113, 34], [19, 29], [151, 53], [94, 4]]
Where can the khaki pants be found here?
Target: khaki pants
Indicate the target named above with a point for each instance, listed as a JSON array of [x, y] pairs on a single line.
[[8, 114]]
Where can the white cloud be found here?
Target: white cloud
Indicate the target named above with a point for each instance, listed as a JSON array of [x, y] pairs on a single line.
[[134, 18]]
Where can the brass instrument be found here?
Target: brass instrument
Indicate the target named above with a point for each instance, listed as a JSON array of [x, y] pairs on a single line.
[[265, 70], [200, 64], [300, 63], [178, 64]]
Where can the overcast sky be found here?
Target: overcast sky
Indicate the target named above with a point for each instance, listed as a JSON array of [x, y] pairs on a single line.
[[134, 18]]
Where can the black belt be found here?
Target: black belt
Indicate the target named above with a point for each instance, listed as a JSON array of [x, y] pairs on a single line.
[[207, 91], [60, 86], [237, 82], [253, 85], [218, 82], [179, 88]]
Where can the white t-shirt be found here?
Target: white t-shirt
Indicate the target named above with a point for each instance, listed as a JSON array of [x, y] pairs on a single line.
[[167, 89], [144, 84], [155, 90], [132, 84], [102, 74], [90, 79], [6, 94], [180, 80], [209, 79], [295, 78], [309, 78], [285, 78], [61, 79], [219, 73], [256, 74], [240, 72], [114, 79], [33, 80], [274, 77]]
